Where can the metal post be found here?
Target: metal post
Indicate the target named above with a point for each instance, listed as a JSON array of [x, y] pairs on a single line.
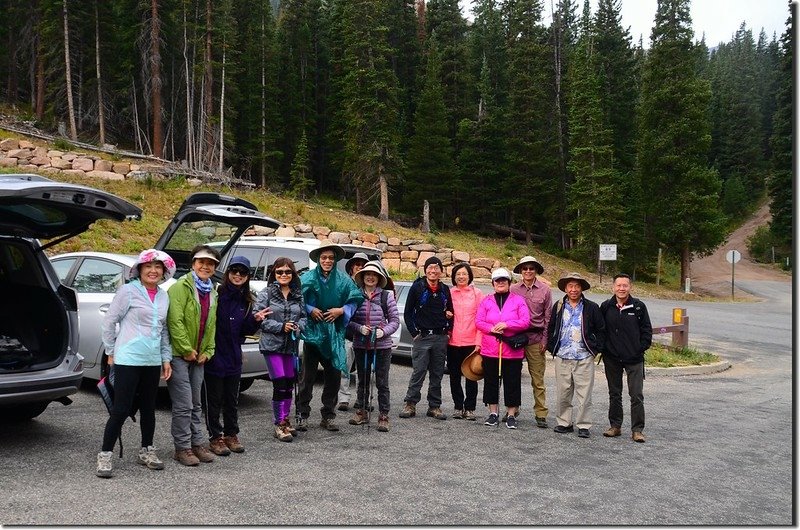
[[733, 266]]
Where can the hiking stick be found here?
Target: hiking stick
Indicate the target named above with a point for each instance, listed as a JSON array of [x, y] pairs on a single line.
[[499, 376], [370, 374], [296, 355]]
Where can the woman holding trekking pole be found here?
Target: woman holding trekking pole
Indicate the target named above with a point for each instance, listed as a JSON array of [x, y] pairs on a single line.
[[280, 331], [372, 326], [500, 317]]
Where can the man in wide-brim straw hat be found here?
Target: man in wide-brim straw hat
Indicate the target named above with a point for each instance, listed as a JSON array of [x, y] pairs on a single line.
[[331, 298], [537, 295], [576, 334]]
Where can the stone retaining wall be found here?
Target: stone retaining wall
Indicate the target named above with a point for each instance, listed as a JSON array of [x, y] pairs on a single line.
[[399, 255]]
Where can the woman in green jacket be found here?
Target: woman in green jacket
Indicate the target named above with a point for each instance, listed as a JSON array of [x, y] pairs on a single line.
[[192, 322]]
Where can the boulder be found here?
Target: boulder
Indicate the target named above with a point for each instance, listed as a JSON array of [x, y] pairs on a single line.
[[486, 263], [391, 264], [369, 237], [73, 173], [423, 247], [25, 144], [423, 257], [356, 242], [285, 231], [9, 144], [321, 231], [23, 154], [338, 237], [40, 161], [396, 248], [391, 255], [84, 164], [123, 168], [60, 163], [409, 242], [194, 182], [459, 255], [446, 257], [8, 162], [302, 228], [53, 153], [393, 241], [409, 255], [136, 167], [480, 272], [369, 244], [383, 238], [40, 152], [105, 165], [69, 157], [263, 231], [382, 246], [105, 175], [305, 235], [407, 268]]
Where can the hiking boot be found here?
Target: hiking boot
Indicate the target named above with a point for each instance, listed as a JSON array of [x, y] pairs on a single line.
[[458, 414], [636, 436], [409, 410], [302, 424], [436, 413], [104, 466], [612, 432], [289, 427], [469, 415], [561, 429], [491, 420], [329, 424], [343, 406], [541, 422], [186, 457], [282, 433], [383, 423], [583, 433], [149, 458], [202, 453], [511, 422], [218, 446], [233, 443], [359, 418]]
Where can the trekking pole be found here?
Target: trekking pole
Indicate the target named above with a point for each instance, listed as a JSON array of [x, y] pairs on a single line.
[[370, 374], [296, 356], [499, 376]]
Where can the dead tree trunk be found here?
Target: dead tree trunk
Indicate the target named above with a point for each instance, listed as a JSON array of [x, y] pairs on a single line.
[[208, 88], [155, 79], [222, 113], [189, 103], [263, 108], [73, 130], [384, 188], [101, 123]]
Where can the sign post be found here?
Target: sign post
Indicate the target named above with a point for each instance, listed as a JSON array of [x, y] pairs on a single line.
[[606, 253], [733, 257]]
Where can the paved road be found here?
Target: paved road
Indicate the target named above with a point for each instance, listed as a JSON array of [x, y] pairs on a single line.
[[719, 452]]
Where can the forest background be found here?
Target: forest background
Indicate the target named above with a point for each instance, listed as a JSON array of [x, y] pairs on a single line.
[[565, 131]]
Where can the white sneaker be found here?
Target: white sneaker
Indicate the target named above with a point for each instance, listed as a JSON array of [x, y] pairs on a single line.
[[149, 458], [104, 464]]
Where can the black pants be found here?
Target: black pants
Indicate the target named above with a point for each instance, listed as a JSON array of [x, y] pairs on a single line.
[[455, 356], [222, 394], [133, 382], [382, 363], [312, 358], [635, 374], [512, 381]]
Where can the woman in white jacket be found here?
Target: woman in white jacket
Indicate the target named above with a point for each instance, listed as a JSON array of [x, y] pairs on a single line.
[[139, 352]]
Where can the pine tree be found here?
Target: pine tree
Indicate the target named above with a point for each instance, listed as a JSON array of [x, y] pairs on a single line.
[[682, 190], [300, 182]]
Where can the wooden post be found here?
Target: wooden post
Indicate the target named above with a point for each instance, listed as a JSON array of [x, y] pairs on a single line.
[[680, 336], [658, 268], [426, 217]]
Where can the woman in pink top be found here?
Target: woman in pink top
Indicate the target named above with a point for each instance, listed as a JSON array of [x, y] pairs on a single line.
[[503, 314], [464, 339]]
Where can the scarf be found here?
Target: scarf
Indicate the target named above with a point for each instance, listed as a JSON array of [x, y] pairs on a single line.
[[202, 286]]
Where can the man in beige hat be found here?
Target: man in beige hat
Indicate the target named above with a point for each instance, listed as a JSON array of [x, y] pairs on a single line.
[[537, 295], [576, 334]]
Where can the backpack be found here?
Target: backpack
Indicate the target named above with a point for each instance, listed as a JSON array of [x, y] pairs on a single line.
[[423, 299]]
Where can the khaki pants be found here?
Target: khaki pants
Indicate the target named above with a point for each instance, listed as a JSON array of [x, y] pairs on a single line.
[[536, 364], [574, 378]]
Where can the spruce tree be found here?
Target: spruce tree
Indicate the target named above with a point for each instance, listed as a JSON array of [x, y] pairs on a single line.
[[682, 190], [300, 182]]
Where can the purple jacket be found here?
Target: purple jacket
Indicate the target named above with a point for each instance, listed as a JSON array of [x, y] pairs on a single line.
[[370, 313], [515, 313], [234, 322]]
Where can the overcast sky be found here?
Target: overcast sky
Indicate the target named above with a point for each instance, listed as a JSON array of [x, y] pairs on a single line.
[[719, 19]]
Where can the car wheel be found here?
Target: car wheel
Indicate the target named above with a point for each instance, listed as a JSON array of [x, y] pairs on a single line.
[[244, 384], [23, 412]]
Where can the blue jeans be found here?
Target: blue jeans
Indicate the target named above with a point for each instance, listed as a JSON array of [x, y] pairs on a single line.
[[428, 354]]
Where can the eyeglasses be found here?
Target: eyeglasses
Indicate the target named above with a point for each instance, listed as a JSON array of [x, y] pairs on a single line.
[[239, 272], [283, 272], [527, 268], [326, 258]]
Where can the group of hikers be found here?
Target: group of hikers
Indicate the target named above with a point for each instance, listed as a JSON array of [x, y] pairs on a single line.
[[193, 333]]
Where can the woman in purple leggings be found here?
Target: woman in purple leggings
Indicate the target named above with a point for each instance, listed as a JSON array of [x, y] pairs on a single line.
[[280, 332]]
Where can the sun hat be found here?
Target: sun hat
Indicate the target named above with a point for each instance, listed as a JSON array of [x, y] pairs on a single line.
[[529, 259], [371, 266], [151, 254], [203, 253], [501, 272], [348, 267], [472, 366], [570, 276], [326, 244], [239, 260], [458, 267]]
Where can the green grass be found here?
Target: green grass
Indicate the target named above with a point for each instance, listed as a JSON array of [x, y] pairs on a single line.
[[662, 357]]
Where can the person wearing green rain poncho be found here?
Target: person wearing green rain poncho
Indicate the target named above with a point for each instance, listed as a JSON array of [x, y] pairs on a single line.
[[331, 298]]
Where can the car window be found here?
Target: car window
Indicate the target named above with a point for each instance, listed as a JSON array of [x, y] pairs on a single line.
[[98, 276], [62, 267], [298, 256], [256, 256], [189, 235]]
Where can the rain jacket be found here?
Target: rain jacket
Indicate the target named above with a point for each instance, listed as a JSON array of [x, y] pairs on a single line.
[[142, 339], [514, 313], [465, 307], [337, 290], [183, 319]]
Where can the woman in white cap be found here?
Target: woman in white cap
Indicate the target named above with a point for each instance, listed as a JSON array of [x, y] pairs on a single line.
[[501, 316], [192, 321], [372, 326], [139, 353]]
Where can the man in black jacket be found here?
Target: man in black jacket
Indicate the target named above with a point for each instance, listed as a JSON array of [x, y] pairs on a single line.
[[575, 336], [628, 335], [428, 315]]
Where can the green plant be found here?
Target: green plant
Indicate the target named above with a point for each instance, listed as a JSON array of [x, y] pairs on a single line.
[[62, 145], [660, 355]]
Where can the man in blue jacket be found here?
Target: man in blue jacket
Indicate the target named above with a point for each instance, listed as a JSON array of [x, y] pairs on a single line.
[[628, 335]]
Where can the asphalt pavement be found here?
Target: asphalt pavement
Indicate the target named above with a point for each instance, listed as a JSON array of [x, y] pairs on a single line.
[[719, 451]]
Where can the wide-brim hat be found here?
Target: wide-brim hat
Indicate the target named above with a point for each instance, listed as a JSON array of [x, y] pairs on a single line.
[[348, 266], [570, 276], [371, 266], [528, 259], [326, 244], [472, 366], [151, 254]]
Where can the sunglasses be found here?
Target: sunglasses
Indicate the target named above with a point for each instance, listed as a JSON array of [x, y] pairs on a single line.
[[527, 268], [239, 272], [283, 272]]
